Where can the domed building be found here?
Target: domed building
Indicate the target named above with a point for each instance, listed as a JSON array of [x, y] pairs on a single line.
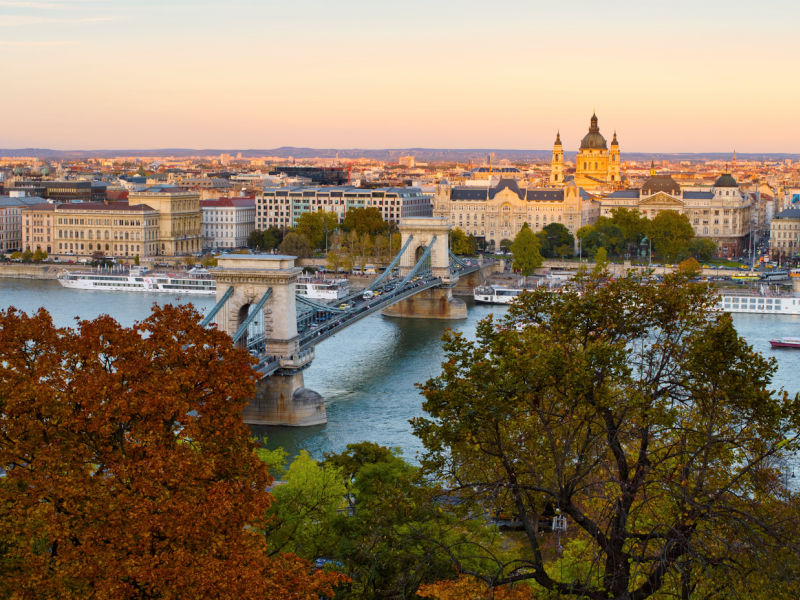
[[721, 213], [596, 166]]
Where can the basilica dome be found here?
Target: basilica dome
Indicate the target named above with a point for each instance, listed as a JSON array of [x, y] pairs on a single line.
[[726, 180], [593, 140]]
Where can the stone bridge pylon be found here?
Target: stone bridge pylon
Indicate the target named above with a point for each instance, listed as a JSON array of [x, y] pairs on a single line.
[[281, 398], [435, 303]]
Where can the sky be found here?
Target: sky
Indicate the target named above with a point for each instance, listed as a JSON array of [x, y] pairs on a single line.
[[677, 76]]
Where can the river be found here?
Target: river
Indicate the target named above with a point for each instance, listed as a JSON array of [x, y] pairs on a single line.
[[368, 372]]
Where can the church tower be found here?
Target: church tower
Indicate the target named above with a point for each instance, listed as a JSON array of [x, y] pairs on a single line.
[[614, 176], [557, 165], [591, 163]]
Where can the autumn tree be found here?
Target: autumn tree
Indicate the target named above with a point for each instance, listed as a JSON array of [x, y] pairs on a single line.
[[525, 250], [637, 411], [128, 472]]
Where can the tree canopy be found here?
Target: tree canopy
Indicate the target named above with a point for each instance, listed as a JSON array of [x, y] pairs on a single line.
[[317, 227], [671, 233], [365, 220], [555, 240], [295, 244], [128, 472], [525, 249], [639, 413], [461, 243]]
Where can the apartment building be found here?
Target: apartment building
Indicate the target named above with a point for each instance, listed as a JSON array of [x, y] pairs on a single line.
[[280, 207], [179, 218], [784, 238], [227, 222], [86, 229], [11, 220]]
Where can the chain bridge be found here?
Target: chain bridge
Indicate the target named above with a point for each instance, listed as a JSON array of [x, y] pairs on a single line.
[[257, 305]]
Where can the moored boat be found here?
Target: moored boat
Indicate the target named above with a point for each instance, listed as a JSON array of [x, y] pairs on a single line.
[[139, 279], [785, 342], [320, 288]]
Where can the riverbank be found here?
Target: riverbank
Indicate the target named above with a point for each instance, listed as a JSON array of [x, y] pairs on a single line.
[[29, 271]]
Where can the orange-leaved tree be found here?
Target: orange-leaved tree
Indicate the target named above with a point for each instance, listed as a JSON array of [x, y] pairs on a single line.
[[128, 472]]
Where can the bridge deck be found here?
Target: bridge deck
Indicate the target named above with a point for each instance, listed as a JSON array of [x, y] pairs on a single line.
[[319, 325]]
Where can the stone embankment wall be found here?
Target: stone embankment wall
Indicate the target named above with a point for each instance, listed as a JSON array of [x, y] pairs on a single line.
[[29, 271]]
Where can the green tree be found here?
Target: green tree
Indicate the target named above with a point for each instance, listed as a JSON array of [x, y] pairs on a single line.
[[365, 220], [317, 227], [632, 407], [703, 249], [505, 244], [27, 255], [393, 537], [603, 233], [462, 244], [301, 520], [633, 225], [551, 239], [295, 244], [670, 233], [255, 240], [525, 249], [39, 255], [600, 259]]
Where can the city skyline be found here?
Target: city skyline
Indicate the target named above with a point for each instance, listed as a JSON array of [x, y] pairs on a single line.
[[92, 74]]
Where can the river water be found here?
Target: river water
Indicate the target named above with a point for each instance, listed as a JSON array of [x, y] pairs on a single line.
[[368, 372]]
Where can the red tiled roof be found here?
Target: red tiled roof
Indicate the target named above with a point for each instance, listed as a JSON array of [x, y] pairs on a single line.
[[245, 202]]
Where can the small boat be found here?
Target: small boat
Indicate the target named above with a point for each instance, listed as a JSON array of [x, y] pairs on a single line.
[[785, 342]]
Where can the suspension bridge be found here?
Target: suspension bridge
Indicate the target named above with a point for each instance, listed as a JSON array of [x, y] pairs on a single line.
[[257, 305]]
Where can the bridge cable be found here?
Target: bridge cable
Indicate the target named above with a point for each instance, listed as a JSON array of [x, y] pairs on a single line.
[[213, 312], [422, 259], [253, 314]]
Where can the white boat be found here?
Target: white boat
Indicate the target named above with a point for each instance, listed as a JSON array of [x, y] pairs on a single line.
[[139, 279], [319, 288], [495, 294], [761, 302]]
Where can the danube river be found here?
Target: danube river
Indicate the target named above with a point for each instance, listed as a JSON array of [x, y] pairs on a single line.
[[367, 373]]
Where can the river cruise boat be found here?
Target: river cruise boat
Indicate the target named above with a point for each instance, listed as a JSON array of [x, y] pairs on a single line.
[[319, 288], [139, 279], [762, 301], [495, 294], [785, 342]]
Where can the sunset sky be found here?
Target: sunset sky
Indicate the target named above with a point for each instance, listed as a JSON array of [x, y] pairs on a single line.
[[669, 76]]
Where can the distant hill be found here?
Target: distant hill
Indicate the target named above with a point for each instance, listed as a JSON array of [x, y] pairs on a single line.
[[476, 155]]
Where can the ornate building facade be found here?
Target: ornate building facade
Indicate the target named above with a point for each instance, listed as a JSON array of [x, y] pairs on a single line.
[[721, 213], [596, 166], [495, 213]]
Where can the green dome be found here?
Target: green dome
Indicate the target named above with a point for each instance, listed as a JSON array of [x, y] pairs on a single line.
[[726, 180], [593, 140]]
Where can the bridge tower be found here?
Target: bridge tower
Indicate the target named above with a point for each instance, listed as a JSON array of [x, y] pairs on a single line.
[[281, 398], [435, 303]]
